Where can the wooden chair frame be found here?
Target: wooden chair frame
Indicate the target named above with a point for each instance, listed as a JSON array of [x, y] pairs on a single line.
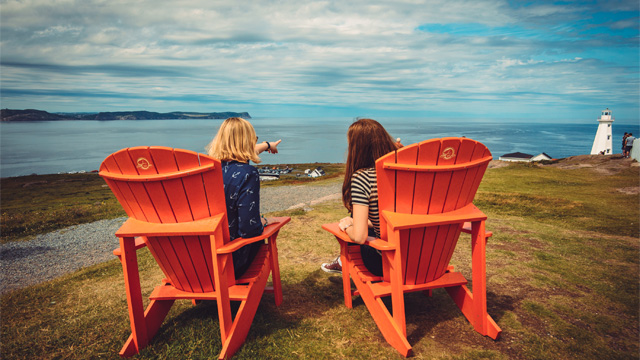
[[197, 178], [397, 237]]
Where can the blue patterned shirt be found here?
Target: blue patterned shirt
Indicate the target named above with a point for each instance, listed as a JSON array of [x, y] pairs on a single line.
[[242, 196]]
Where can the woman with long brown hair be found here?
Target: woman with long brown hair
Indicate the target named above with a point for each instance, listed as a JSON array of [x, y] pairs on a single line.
[[368, 141]]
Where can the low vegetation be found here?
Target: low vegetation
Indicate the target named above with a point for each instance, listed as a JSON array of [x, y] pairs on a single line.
[[562, 272], [41, 203]]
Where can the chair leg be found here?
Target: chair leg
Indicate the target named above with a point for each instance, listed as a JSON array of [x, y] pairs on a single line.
[[275, 269], [346, 280], [129, 260], [479, 276], [244, 316], [391, 331], [397, 293], [474, 305], [154, 316]]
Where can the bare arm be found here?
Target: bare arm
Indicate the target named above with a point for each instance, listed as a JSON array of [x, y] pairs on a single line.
[[269, 146], [357, 227]]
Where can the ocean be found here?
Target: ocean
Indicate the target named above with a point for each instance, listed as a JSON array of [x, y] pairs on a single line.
[[66, 146]]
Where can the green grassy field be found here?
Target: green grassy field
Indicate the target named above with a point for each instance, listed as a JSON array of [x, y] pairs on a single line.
[[40, 203], [562, 274]]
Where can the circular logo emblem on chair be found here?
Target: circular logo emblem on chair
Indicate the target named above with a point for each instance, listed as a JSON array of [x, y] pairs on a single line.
[[143, 163], [448, 153]]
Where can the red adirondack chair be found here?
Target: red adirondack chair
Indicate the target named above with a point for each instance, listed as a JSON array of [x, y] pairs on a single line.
[[425, 194], [176, 206]]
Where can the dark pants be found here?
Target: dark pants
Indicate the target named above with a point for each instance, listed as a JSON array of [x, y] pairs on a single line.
[[243, 257], [371, 257]]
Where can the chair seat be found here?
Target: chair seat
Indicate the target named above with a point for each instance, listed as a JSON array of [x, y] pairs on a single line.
[[355, 259], [238, 292], [382, 288]]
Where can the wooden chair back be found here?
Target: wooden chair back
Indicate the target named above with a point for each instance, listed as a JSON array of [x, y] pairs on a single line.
[[433, 177], [165, 185]]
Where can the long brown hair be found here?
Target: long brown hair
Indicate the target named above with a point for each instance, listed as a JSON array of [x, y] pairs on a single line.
[[368, 141]]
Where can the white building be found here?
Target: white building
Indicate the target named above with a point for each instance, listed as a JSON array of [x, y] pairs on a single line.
[[541, 157], [518, 156], [602, 142], [317, 172]]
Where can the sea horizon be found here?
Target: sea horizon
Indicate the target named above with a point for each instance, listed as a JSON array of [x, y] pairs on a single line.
[[50, 147]]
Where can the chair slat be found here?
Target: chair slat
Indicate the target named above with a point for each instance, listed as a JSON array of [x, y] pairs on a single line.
[[456, 186], [158, 198], [438, 245], [429, 240], [143, 201], [125, 163], [214, 192], [386, 182], [205, 243], [161, 259], [124, 197], [452, 241], [428, 155], [405, 180], [120, 162], [470, 185], [164, 245], [164, 161], [202, 268], [193, 185], [448, 151], [416, 240], [177, 195], [183, 253], [479, 152]]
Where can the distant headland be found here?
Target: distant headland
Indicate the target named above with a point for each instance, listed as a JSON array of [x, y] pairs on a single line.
[[39, 115]]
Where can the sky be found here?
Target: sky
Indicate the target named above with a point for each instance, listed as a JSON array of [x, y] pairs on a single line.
[[512, 60]]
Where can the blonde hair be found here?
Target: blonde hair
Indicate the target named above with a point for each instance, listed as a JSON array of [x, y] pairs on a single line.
[[236, 140]]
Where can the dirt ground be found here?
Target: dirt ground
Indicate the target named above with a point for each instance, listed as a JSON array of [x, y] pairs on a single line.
[[604, 164]]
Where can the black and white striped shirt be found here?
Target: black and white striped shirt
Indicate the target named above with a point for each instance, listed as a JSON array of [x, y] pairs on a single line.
[[364, 191]]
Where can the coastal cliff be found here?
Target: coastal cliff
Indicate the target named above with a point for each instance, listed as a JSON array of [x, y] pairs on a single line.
[[39, 115]]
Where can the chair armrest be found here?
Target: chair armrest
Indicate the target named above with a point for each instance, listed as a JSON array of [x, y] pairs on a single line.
[[377, 244], [267, 232], [399, 221], [466, 228], [207, 226], [139, 244]]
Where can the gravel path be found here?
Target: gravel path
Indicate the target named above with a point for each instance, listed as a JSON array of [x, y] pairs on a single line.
[[51, 255]]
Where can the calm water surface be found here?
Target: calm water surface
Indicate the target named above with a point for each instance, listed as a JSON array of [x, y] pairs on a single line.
[[64, 146]]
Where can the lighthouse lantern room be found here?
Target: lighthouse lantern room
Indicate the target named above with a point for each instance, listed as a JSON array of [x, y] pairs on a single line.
[[602, 142]]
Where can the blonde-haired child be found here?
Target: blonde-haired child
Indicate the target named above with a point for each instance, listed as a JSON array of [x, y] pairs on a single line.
[[235, 145]]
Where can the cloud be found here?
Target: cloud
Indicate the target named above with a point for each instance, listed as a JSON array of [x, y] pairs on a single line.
[[406, 55]]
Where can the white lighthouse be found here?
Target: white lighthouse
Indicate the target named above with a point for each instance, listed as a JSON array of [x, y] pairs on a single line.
[[602, 142]]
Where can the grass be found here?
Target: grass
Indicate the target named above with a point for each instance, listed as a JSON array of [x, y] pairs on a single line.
[[37, 204], [562, 273]]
